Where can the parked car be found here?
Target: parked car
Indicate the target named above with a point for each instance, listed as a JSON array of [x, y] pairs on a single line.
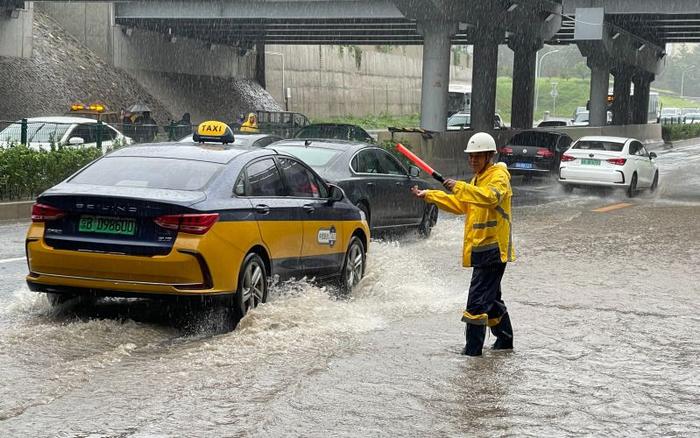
[[554, 123], [609, 162], [577, 111], [583, 118], [244, 140], [373, 179], [462, 120], [337, 131], [691, 118], [671, 115], [534, 152], [219, 222], [42, 132]]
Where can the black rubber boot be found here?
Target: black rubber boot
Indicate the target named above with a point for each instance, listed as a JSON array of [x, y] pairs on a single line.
[[503, 332], [475, 335]]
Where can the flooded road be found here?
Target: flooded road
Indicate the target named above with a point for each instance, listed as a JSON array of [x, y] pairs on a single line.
[[604, 306]]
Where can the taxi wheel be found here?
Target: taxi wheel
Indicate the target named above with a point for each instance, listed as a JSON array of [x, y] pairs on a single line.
[[353, 265], [429, 220], [252, 285], [632, 189]]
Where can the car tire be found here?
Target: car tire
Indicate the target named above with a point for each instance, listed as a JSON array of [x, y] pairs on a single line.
[[353, 266], [365, 209], [252, 285], [632, 189], [430, 215], [654, 183]]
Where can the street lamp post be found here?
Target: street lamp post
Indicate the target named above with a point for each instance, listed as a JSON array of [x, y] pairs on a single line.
[[538, 68], [683, 78], [284, 90]]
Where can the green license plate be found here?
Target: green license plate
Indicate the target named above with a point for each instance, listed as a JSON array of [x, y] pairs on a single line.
[[590, 162], [107, 225]]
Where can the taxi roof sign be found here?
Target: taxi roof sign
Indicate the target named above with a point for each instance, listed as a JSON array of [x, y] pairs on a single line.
[[213, 131]]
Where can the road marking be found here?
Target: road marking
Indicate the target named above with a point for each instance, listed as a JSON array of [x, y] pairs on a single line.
[[613, 207], [17, 259]]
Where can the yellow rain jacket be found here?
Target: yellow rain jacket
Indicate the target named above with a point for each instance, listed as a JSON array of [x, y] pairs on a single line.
[[485, 200], [250, 124]]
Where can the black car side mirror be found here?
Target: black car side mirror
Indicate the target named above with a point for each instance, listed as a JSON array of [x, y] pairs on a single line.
[[652, 155], [413, 171], [335, 193]]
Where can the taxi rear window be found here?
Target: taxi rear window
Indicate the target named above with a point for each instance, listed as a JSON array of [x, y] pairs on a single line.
[[148, 172], [591, 145], [313, 157]]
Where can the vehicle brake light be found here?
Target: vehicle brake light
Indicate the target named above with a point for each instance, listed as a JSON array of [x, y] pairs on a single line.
[[507, 150], [43, 213], [567, 158], [545, 153], [188, 223], [617, 161]]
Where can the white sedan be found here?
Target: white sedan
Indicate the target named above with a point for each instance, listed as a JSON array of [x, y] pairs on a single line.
[[609, 162], [42, 132]]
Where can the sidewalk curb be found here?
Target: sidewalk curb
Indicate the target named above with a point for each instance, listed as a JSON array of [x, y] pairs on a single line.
[[12, 211]]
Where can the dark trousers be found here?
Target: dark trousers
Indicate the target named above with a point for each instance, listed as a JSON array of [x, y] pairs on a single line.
[[485, 301]]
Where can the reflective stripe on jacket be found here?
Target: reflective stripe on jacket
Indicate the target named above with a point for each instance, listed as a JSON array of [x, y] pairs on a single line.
[[485, 200]]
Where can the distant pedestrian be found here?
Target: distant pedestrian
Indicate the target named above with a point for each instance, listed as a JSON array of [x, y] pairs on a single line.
[[488, 240], [184, 126], [250, 124], [146, 128]]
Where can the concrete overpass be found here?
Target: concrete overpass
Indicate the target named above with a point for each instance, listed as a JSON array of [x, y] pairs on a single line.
[[622, 37]]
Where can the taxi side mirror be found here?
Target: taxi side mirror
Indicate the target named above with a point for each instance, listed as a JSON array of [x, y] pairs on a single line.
[[335, 193], [652, 155], [76, 141], [413, 171]]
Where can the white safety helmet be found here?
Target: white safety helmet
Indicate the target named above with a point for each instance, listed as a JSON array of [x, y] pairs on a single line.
[[481, 142]]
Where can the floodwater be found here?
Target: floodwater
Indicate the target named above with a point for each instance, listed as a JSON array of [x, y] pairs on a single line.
[[604, 306]]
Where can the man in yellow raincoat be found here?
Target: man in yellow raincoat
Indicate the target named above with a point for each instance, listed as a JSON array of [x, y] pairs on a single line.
[[250, 124], [488, 240]]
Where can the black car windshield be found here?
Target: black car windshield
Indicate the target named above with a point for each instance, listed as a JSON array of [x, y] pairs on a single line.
[[314, 157], [539, 139], [148, 172], [590, 145]]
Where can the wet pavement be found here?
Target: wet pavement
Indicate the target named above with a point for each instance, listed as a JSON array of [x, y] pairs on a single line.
[[604, 306]]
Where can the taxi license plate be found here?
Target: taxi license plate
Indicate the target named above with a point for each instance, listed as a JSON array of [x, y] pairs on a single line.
[[590, 162], [523, 165], [107, 225]]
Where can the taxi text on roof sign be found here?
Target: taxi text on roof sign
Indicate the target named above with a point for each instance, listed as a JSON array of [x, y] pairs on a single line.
[[213, 131]]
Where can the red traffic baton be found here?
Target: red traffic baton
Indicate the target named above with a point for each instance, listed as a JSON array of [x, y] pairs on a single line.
[[420, 163]]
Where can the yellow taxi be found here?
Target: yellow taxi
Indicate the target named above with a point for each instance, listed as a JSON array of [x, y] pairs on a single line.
[[205, 218]]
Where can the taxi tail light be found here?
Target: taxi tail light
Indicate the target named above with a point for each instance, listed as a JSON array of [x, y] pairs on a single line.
[[544, 153], [43, 213], [567, 158], [188, 223], [617, 161], [505, 150]]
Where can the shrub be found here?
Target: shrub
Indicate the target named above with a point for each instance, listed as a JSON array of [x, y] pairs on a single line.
[[680, 131], [26, 172]]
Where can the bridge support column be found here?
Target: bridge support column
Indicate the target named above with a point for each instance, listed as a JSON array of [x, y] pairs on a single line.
[[260, 64], [523, 98], [437, 42], [600, 81], [16, 21], [621, 91], [640, 101], [484, 80]]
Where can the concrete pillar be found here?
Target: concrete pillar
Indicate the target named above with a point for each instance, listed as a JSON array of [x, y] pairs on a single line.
[[437, 41], [600, 81], [524, 69], [621, 91], [640, 100], [16, 31], [484, 82], [260, 64]]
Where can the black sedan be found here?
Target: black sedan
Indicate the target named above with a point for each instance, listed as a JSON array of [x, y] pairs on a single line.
[[534, 152], [373, 179]]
